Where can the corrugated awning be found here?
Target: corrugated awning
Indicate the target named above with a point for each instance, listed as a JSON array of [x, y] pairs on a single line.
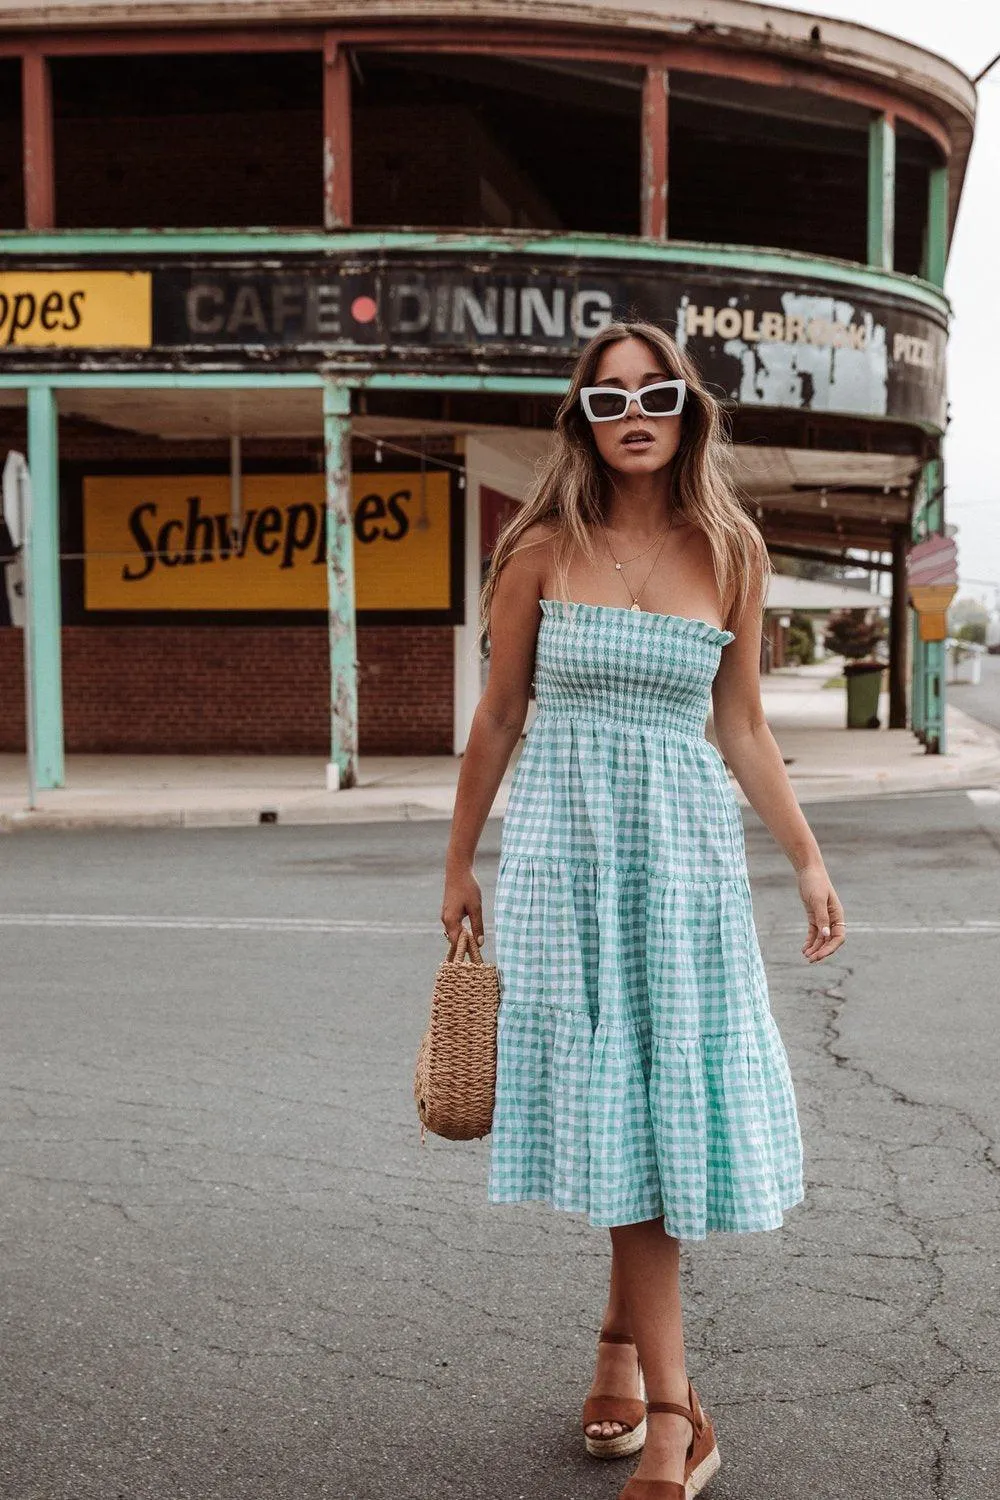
[[788, 593]]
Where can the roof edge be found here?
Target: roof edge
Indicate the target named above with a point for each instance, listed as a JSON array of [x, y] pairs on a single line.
[[854, 46]]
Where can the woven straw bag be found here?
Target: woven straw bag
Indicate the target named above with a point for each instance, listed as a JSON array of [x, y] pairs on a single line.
[[455, 1076]]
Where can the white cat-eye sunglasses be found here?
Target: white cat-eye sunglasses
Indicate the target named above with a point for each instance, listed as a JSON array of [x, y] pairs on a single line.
[[606, 403]]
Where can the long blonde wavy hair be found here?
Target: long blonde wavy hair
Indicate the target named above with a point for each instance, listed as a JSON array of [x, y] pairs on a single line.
[[572, 486]]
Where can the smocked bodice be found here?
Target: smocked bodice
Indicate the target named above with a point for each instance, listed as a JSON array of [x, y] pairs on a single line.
[[638, 669]]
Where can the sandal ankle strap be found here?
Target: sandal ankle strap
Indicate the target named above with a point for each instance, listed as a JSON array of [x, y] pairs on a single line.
[[615, 1338], [682, 1411]]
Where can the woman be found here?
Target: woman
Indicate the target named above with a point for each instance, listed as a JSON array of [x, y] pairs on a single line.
[[641, 1077]]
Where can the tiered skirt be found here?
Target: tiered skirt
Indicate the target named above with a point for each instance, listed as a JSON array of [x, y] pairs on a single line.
[[640, 1072]]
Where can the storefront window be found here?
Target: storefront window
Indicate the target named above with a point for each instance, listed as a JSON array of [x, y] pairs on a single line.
[[11, 192], [188, 141], [482, 142], [915, 156], [769, 167]]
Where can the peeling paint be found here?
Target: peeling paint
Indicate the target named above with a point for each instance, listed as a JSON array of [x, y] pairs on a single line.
[[340, 586], [840, 363], [329, 211]]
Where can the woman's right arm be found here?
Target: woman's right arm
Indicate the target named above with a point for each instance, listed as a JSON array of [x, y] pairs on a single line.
[[496, 725]]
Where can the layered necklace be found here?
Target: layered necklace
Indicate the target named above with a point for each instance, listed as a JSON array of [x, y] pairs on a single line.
[[635, 606]]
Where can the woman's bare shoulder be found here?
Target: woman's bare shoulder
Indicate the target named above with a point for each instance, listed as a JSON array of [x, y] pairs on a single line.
[[533, 550], [539, 534]]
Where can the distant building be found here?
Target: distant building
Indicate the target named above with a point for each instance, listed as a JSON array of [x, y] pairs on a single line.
[[230, 233]]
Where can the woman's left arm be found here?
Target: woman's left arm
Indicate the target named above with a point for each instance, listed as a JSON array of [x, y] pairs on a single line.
[[752, 754]]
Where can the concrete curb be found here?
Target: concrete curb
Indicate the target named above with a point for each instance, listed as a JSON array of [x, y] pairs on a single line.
[[809, 791], [975, 764], [398, 811]]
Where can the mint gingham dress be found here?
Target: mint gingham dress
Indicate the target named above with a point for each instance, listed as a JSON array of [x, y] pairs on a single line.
[[640, 1071]]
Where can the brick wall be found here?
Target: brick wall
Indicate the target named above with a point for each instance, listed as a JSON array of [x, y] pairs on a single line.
[[405, 686], [237, 689]]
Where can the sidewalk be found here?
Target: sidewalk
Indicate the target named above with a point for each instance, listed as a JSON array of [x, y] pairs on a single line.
[[824, 761]]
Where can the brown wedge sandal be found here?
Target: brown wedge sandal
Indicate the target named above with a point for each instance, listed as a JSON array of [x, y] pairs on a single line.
[[627, 1411], [701, 1461]]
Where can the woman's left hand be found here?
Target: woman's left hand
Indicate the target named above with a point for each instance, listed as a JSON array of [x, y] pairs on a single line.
[[824, 911]]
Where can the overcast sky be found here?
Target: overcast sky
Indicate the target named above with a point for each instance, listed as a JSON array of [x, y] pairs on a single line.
[[968, 33]]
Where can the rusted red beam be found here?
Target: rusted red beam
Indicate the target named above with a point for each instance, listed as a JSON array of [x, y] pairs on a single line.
[[134, 43], [534, 42], [337, 193], [39, 168], [655, 96]]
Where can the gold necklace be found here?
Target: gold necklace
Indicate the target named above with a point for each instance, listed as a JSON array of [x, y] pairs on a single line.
[[635, 606], [626, 560]]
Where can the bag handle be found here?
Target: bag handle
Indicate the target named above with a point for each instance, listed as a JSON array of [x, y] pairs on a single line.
[[465, 944]]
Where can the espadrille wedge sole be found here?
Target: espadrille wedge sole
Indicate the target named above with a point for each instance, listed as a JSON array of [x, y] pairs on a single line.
[[703, 1454], [653, 1489], [700, 1476], [627, 1411], [701, 1461]]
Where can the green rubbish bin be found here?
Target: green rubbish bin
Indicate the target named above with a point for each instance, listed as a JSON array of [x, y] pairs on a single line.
[[864, 683]]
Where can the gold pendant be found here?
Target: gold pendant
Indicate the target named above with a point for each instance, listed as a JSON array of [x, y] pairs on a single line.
[[634, 606]]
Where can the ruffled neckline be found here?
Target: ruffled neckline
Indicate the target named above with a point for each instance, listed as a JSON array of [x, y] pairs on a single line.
[[700, 628]]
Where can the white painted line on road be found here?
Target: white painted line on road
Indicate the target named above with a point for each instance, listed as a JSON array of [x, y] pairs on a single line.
[[971, 928], [983, 796], [213, 924]]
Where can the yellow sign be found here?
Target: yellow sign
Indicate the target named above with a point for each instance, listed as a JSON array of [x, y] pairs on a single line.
[[166, 542], [931, 600], [72, 309]]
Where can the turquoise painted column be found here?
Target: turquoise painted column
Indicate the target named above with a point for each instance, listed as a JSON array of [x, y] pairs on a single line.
[[936, 251], [916, 679], [927, 716], [918, 673], [935, 735], [46, 603], [881, 191], [935, 667], [342, 770]]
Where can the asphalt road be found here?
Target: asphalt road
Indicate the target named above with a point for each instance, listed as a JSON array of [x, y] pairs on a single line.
[[231, 1272], [981, 700]]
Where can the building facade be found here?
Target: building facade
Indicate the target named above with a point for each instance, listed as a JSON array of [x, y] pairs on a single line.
[[288, 296]]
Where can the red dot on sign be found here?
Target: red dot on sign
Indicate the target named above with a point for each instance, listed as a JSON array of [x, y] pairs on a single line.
[[363, 309]]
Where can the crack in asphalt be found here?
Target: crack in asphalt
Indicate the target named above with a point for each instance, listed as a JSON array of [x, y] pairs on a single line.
[[924, 1405]]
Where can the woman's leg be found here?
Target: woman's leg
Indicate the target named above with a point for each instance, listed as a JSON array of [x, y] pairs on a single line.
[[646, 1273], [617, 1367]]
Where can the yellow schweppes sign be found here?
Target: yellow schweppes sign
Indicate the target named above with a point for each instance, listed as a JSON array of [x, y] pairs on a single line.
[[74, 309], [167, 542]]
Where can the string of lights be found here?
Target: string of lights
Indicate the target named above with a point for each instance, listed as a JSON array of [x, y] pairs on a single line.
[[381, 445]]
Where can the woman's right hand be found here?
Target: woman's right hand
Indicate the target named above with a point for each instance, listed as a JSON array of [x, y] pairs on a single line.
[[462, 897]]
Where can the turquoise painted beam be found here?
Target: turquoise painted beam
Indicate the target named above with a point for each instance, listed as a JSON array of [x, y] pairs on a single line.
[[529, 385], [936, 255], [159, 380], [881, 192], [343, 766], [384, 380], [23, 246], [46, 607]]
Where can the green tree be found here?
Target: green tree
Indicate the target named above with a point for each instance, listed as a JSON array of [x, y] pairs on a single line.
[[853, 633], [800, 643]]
